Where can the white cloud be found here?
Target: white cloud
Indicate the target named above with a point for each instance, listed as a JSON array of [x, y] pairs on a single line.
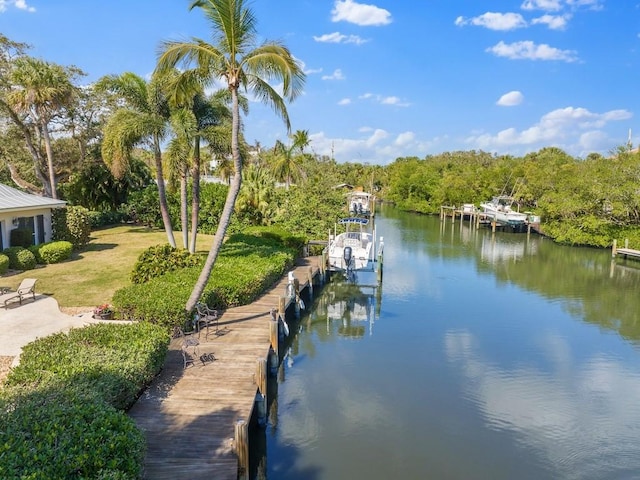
[[510, 99], [345, 101], [591, 4], [405, 138], [495, 21], [555, 128], [554, 22], [530, 51], [306, 70], [359, 13], [372, 145], [19, 4], [390, 100], [336, 75], [557, 5], [337, 37], [546, 5]]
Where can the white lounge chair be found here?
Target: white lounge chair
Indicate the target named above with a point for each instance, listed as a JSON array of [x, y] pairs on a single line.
[[27, 287]]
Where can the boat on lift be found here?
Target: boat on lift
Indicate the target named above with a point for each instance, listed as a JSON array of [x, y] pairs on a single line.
[[500, 209], [361, 203], [355, 248]]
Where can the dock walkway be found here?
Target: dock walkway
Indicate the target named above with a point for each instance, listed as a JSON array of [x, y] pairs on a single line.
[[188, 415]]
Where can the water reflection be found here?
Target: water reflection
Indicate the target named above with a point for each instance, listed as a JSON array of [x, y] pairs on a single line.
[[496, 356], [350, 309], [583, 418]]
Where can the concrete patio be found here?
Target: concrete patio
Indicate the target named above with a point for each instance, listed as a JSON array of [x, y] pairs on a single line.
[[22, 324]]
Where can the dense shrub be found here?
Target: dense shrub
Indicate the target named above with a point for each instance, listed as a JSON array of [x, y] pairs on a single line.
[[21, 237], [72, 224], [115, 361], [62, 408], [4, 263], [279, 235], [160, 259], [245, 266], [143, 207], [54, 434], [52, 252], [105, 218], [35, 249], [20, 258]]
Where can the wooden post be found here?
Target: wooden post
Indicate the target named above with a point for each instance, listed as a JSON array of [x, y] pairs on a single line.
[[282, 306], [626, 243], [379, 271], [261, 375], [310, 280], [273, 335], [441, 213], [242, 448], [614, 248], [261, 409], [296, 296], [273, 363]]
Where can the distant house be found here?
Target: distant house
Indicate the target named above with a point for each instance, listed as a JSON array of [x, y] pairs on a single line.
[[24, 210]]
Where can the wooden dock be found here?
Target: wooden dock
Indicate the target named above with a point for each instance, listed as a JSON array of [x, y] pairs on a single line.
[[190, 415], [625, 252]]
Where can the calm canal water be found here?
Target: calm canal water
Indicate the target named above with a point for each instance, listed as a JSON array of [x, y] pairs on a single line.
[[482, 356]]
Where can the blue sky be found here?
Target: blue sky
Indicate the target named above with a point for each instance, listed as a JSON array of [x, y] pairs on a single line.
[[392, 78]]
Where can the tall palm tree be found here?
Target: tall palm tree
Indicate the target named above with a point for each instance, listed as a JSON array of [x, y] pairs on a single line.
[[143, 118], [212, 117], [301, 139], [42, 89], [288, 159], [242, 64]]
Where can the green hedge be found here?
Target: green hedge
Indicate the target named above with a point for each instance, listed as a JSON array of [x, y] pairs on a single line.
[[62, 408], [54, 434], [4, 263], [20, 258], [246, 266], [72, 224], [160, 259], [52, 252]]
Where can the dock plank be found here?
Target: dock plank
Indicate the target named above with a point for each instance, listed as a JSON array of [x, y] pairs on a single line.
[[188, 414]]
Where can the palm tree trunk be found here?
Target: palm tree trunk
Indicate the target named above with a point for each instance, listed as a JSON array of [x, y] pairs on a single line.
[[35, 154], [184, 217], [227, 211], [195, 194], [47, 147], [162, 193]]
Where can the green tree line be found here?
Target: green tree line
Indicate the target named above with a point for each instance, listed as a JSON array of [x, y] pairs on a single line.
[[580, 201]]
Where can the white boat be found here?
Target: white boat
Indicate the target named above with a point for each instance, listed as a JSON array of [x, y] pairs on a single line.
[[500, 209], [353, 249], [361, 203]]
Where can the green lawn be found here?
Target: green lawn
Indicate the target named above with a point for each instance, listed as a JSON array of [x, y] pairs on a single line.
[[90, 277]]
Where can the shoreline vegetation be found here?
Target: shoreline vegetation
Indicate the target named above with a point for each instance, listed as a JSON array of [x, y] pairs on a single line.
[[582, 202], [103, 368]]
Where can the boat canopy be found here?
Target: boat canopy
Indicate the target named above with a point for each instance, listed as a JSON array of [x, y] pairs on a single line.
[[355, 220]]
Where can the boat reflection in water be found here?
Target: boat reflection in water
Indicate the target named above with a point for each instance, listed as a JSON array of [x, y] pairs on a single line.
[[350, 309]]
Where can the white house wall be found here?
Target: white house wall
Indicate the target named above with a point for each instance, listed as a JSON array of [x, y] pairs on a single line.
[[6, 218]]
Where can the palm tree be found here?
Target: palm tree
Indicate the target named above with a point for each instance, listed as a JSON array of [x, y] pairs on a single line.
[[211, 121], [236, 59], [287, 164], [143, 119], [255, 195], [42, 89]]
